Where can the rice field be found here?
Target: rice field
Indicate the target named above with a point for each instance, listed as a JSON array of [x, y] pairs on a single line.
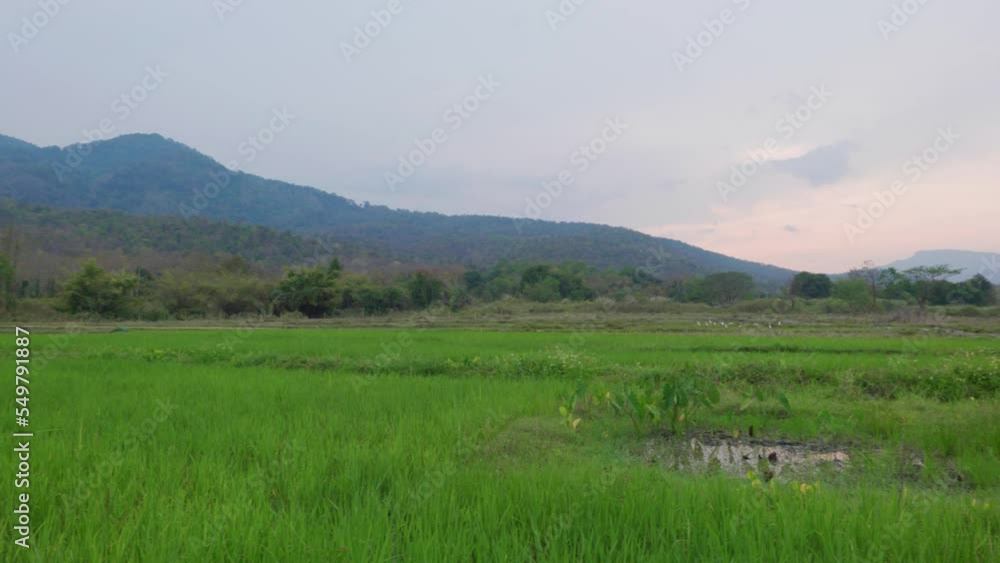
[[419, 444]]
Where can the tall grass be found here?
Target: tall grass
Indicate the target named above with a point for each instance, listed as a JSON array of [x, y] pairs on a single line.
[[336, 462]]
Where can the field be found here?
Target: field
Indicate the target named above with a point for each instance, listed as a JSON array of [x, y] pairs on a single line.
[[416, 443]]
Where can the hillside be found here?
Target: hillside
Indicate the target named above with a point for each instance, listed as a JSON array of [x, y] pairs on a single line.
[[52, 242], [151, 175]]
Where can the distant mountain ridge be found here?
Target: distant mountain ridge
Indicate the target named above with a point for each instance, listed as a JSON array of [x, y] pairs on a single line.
[[146, 174], [971, 263]]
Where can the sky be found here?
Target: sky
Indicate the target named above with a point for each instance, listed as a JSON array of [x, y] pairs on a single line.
[[810, 135]]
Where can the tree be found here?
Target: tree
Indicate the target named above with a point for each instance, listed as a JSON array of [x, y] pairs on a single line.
[[534, 275], [926, 281], [811, 286], [977, 291], [334, 269], [8, 269], [854, 292], [473, 280], [235, 265], [895, 285], [425, 289], [729, 287], [984, 289], [572, 285], [543, 291], [872, 276], [312, 292], [94, 291], [7, 284]]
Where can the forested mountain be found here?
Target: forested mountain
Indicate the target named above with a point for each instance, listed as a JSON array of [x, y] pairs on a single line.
[[52, 242], [151, 175]]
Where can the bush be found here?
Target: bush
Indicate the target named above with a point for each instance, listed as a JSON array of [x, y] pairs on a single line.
[[967, 311], [757, 306], [93, 291]]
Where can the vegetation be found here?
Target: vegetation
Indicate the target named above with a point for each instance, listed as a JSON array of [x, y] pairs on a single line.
[[811, 286], [148, 175], [924, 285], [57, 239], [429, 445], [92, 291], [7, 284], [233, 287]]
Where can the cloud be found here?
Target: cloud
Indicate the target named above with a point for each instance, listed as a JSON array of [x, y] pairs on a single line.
[[792, 229], [820, 167]]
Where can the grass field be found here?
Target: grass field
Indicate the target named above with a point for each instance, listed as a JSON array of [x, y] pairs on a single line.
[[418, 444]]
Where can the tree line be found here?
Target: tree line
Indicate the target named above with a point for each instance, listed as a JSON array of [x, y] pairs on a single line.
[[237, 287], [923, 286]]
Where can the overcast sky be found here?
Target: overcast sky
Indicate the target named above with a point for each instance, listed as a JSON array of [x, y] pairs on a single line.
[[834, 99]]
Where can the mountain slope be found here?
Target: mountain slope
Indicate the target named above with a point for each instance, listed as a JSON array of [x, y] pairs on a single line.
[[52, 242], [151, 175]]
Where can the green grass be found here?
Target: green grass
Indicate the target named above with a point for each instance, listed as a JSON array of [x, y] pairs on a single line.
[[432, 445]]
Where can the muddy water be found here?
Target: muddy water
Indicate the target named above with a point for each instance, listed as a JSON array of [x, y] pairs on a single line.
[[737, 457]]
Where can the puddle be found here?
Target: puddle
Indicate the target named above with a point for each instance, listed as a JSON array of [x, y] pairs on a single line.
[[736, 457]]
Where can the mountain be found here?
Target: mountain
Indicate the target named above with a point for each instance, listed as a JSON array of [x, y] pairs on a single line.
[[971, 263], [146, 174], [53, 242]]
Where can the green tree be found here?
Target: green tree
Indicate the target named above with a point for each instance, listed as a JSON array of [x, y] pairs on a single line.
[[312, 292], [895, 284], [982, 290], [854, 292], [473, 280], [425, 290], [543, 291], [94, 291], [872, 276], [534, 275], [8, 297], [811, 286], [729, 287], [926, 282], [334, 268]]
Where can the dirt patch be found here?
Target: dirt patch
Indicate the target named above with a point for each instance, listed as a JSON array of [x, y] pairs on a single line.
[[773, 458]]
